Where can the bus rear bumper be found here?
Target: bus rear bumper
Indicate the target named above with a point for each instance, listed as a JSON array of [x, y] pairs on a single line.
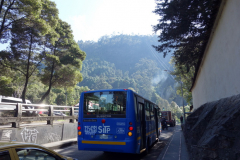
[[107, 146]]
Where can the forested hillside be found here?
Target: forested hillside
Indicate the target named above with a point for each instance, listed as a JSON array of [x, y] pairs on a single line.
[[43, 63], [129, 61]]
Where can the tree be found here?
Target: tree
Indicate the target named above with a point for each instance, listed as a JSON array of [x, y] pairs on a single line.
[[26, 41], [63, 60], [182, 76], [12, 11], [61, 99], [185, 27], [4, 88], [73, 95]]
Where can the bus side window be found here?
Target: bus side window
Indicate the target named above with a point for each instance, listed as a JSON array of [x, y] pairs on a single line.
[[150, 110], [147, 110], [140, 111], [136, 107], [152, 114]]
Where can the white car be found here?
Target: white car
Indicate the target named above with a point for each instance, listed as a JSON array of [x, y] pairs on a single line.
[[58, 113]]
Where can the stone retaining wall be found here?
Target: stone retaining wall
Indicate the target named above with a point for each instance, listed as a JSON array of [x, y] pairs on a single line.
[[212, 132]]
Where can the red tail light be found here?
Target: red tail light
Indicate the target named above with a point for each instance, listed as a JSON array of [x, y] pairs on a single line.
[[79, 128], [103, 120], [130, 128], [130, 123]]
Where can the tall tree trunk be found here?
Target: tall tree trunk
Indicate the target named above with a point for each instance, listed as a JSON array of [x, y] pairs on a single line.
[[27, 74], [50, 83]]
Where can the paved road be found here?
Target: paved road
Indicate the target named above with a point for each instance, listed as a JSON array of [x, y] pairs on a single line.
[[155, 151]]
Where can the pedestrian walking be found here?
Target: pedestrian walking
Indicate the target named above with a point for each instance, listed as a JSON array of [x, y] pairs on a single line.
[[181, 119]]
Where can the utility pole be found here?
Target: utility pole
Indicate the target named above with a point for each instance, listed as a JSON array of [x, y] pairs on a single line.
[[182, 102]]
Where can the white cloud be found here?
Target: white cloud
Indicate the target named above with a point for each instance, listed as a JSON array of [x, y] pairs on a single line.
[[125, 16]]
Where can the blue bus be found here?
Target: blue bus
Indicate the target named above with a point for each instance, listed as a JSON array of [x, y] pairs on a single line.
[[117, 120]]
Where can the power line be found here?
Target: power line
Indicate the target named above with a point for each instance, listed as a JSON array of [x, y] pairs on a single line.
[[160, 61]]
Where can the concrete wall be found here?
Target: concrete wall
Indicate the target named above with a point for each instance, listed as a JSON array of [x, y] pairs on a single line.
[[219, 75], [40, 134]]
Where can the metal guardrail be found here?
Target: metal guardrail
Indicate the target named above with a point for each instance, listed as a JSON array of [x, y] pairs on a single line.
[[19, 108]]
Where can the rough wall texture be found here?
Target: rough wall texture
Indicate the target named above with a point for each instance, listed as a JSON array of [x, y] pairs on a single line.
[[212, 132], [40, 134]]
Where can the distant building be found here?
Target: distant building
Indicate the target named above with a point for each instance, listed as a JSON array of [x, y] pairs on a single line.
[[219, 72]]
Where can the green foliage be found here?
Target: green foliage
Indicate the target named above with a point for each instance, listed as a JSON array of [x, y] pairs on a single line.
[[4, 88], [184, 77], [124, 61], [27, 36], [64, 62], [42, 55], [17, 10], [122, 50], [61, 99], [185, 27]]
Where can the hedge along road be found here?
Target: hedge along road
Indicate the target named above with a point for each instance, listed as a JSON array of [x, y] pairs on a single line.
[[154, 153]]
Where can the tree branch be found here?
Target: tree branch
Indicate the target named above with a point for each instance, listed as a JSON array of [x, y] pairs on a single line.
[[34, 69], [13, 68], [4, 18]]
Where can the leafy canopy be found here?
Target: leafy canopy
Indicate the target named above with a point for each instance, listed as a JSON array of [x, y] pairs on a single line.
[[186, 24]]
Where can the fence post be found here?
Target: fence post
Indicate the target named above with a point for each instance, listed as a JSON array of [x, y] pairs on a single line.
[[71, 114], [50, 113], [17, 114]]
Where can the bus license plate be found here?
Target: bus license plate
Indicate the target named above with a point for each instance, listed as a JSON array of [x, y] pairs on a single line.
[[103, 136]]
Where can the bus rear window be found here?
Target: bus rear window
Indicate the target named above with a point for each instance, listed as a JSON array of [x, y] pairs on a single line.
[[105, 104]]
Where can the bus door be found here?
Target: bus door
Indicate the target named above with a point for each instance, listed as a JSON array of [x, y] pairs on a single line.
[[142, 122]]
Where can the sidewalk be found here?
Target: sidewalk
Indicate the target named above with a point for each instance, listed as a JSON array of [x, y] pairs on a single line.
[[176, 148]]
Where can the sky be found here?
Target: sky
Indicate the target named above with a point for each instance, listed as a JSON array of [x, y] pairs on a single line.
[[92, 19]]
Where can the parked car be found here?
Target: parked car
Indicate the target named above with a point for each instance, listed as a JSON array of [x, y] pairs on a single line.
[[15, 150], [58, 113], [7, 105]]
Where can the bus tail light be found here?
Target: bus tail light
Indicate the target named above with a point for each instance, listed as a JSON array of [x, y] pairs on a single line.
[[79, 129], [129, 134], [130, 128], [130, 123], [103, 120]]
